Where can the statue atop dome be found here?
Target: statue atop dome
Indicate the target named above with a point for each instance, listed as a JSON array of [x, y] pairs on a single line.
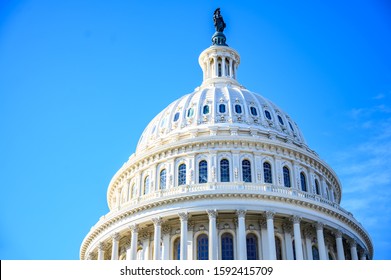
[[218, 21], [219, 37]]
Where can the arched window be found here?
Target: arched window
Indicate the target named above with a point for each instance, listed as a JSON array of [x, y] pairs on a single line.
[[134, 191], [224, 170], [253, 111], [238, 109], [222, 108], [315, 253], [163, 179], [267, 173], [182, 174], [227, 246], [268, 115], [280, 120], [252, 246], [278, 248], [190, 112], [139, 255], [177, 249], [202, 247], [219, 69], [203, 172], [176, 116], [287, 177], [246, 171], [303, 182], [317, 188], [205, 110], [146, 185]]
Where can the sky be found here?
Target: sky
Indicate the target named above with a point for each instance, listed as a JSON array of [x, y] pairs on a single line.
[[80, 80]]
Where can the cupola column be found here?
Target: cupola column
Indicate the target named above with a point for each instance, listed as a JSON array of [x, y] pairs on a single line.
[[223, 73], [230, 67], [133, 241], [183, 217], [338, 241], [270, 235], [212, 238], [242, 248], [157, 222]]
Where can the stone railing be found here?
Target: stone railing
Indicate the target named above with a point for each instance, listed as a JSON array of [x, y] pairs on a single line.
[[224, 188]]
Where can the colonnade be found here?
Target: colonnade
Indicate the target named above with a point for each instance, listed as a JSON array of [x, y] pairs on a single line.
[[296, 239]]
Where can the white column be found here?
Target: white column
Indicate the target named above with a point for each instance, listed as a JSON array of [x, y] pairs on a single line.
[[223, 73], [270, 235], [321, 245], [215, 66], [190, 229], [183, 217], [230, 68], [212, 238], [338, 241], [146, 247], [166, 243], [242, 248], [264, 239], [133, 242], [101, 251], [288, 241], [297, 233], [157, 222], [363, 255], [207, 69], [353, 249], [114, 252], [308, 244], [235, 166]]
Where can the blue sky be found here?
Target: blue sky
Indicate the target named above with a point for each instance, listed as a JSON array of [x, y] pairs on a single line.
[[79, 81]]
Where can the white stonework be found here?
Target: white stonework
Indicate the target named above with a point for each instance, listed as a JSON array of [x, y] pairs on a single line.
[[213, 164]]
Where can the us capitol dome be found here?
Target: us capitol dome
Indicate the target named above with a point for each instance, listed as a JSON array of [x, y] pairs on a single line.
[[224, 173]]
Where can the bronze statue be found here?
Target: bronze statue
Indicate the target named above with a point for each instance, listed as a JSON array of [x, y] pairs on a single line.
[[218, 21]]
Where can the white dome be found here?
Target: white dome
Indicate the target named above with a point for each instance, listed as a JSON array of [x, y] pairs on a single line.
[[219, 162], [220, 106], [220, 109]]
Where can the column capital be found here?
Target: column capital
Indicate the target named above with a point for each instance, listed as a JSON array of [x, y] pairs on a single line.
[[211, 213], [157, 221], [352, 242], [295, 219], [134, 228], [241, 213], [190, 225], [166, 230], [90, 256], [183, 216], [319, 226], [337, 233], [309, 232], [262, 222], [269, 215], [287, 227], [116, 236], [101, 246]]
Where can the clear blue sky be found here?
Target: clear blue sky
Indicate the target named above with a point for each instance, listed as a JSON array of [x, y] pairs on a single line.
[[79, 81]]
